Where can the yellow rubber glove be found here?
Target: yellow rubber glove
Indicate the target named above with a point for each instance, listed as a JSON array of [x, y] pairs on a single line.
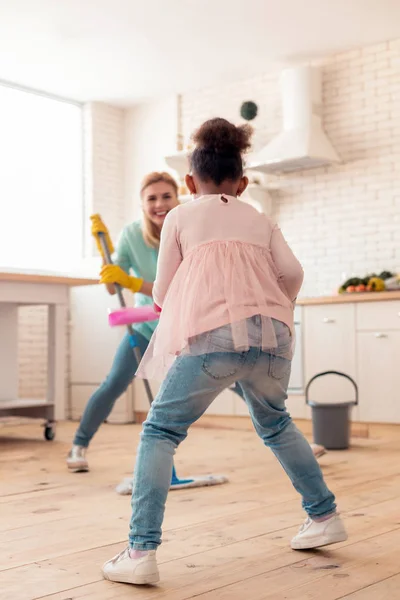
[[99, 227], [114, 274]]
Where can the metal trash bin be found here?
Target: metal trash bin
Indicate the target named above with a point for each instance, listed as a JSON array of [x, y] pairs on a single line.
[[331, 421]]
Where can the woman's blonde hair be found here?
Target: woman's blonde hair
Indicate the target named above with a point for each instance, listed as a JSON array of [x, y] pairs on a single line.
[[151, 233]]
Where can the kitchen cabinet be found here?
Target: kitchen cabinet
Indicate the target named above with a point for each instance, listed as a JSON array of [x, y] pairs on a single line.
[[378, 366], [376, 316], [226, 403], [378, 360], [330, 345]]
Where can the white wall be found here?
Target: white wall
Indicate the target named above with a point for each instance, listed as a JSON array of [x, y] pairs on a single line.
[[343, 219], [32, 351], [150, 134]]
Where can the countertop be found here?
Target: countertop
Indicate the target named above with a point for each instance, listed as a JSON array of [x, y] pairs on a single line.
[[353, 297], [31, 276]]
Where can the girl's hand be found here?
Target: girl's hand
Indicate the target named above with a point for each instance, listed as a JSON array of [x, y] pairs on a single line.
[[114, 274]]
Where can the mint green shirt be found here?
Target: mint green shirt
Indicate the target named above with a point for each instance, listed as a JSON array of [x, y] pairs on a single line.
[[133, 254]]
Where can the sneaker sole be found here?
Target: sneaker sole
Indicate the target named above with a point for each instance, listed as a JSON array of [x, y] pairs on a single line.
[[149, 579], [320, 453], [78, 468], [319, 542]]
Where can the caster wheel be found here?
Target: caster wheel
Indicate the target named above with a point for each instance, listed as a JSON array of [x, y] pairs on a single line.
[[49, 433]]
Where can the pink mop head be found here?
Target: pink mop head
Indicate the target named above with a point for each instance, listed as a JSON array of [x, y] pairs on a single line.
[[127, 316]]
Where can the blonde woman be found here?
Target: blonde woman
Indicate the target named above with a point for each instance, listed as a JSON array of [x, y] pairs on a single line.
[[137, 252]]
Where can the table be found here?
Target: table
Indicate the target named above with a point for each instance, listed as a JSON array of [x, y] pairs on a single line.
[[22, 288]]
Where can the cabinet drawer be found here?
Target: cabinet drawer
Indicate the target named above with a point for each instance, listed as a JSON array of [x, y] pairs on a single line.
[[378, 315]]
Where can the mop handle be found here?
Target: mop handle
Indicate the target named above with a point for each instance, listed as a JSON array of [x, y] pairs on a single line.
[[108, 260]]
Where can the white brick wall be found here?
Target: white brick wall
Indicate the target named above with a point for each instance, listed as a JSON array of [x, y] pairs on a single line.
[[104, 193], [343, 219], [32, 351], [150, 135], [104, 128]]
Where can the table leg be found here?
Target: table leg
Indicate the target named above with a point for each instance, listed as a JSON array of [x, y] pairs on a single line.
[[57, 359], [8, 352]]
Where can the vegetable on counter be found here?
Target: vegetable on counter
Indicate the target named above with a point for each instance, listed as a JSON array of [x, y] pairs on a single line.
[[376, 284], [386, 275], [371, 283]]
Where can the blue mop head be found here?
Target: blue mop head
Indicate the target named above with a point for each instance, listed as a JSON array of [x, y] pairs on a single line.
[[125, 487]]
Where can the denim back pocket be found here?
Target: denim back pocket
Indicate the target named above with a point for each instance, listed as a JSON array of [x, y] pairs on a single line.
[[279, 367], [221, 365], [221, 360]]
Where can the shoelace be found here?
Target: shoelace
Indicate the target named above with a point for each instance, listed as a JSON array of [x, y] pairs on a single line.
[[78, 452], [121, 555], [305, 525]]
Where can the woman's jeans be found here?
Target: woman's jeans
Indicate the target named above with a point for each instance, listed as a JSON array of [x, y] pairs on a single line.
[[101, 403], [191, 385]]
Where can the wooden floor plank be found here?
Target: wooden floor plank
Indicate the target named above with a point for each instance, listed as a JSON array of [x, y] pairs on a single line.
[[387, 589], [57, 528], [192, 545], [262, 575], [328, 574]]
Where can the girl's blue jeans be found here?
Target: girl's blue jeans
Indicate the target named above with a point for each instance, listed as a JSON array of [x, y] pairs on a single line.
[[191, 385]]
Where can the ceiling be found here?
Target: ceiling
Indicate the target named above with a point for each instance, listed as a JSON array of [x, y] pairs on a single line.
[[125, 51]]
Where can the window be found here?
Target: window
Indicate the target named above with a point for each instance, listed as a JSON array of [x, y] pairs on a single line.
[[41, 182]]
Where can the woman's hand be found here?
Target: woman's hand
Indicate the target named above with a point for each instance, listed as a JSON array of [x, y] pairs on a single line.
[[111, 274], [99, 227]]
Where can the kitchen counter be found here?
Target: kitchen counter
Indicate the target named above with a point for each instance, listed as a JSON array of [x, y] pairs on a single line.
[[353, 297]]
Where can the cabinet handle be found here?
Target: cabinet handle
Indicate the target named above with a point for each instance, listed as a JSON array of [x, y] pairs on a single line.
[[326, 320], [381, 335]]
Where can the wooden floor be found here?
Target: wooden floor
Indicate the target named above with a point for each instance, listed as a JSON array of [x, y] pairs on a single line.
[[230, 542]]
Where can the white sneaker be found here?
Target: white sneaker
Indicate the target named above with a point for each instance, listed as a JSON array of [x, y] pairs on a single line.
[[138, 571], [76, 460], [318, 450], [313, 534]]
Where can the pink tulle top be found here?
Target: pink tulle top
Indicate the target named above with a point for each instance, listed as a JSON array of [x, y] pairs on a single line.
[[220, 262]]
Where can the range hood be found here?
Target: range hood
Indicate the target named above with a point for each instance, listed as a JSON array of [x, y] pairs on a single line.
[[303, 144]]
